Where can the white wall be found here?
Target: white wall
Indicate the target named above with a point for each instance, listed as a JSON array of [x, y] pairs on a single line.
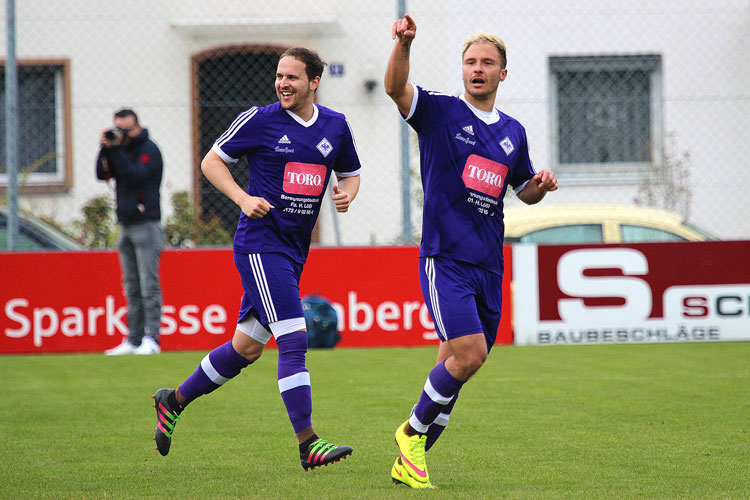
[[137, 53]]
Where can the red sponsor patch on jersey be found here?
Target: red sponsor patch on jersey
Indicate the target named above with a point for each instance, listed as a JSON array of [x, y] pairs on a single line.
[[145, 158], [304, 178], [485, 176]]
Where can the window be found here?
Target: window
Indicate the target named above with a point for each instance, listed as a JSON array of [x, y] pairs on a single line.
[[641, 234], [606, 117], [219, 100], [574, 233], [43, 126]]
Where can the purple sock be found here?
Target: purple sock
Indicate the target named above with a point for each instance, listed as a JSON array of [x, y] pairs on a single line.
[[439, 390], [294, 379], [441, 421], [216, 368]]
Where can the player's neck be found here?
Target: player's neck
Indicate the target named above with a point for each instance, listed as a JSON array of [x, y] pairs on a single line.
[[305, 112], [487, 104]]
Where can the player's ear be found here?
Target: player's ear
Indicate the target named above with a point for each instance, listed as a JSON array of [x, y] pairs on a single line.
[[314, 83]]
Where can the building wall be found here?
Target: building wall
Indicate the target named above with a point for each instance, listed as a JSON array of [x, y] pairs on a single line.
[[138, 54]]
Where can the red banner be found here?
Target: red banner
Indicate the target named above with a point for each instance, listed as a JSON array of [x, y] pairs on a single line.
[[73, 302]]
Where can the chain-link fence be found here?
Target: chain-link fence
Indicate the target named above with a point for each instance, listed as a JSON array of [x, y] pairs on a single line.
[[639, 103]]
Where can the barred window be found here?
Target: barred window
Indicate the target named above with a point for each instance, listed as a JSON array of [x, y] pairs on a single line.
[[228, 81], [606, 114], [43, 125]]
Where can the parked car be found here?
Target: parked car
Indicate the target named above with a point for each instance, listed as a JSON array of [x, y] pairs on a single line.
[[34, 234], [564, 224]]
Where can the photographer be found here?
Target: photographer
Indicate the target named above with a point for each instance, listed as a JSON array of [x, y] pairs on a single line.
[[134, 162]]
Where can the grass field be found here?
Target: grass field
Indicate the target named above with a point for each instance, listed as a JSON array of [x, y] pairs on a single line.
[[618, 421]]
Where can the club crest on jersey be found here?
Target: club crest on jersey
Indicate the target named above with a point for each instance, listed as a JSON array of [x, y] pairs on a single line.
[[304, 178], [468, 129], [485, 176], [324, 147], [285, 140], [507, 145]]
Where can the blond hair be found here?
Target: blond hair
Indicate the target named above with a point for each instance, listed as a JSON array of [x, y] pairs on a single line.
[[482, 36]]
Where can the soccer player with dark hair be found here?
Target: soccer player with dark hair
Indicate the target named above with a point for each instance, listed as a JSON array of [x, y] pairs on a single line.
[[470, 153], [291, 146]]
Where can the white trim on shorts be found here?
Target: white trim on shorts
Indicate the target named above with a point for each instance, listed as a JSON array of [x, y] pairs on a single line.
[[256, 264], [429, 269]]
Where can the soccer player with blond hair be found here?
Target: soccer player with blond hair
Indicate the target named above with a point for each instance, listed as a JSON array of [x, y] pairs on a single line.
[[470, 153]]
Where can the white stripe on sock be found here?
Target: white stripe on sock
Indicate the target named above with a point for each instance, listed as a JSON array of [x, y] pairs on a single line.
[[211, 372], [417, 425], [292, 381], [442, 419], [435, 395]]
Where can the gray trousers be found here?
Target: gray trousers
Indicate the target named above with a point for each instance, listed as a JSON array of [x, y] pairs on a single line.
[[140, 247]]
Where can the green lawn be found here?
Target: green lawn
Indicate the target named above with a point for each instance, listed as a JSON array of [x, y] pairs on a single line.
[[616, 421]]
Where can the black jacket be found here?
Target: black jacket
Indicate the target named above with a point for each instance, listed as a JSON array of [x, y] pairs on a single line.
[[137, 170]]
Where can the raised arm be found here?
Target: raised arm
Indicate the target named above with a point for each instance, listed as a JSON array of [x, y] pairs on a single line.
[[397, 85]]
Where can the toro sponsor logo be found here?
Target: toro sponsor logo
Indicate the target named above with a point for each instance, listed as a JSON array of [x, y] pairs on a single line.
[[304, 178], [626, 294], [485, 176]]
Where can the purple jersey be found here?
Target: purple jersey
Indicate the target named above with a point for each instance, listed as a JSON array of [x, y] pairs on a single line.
[[468, 158], [290, 162]]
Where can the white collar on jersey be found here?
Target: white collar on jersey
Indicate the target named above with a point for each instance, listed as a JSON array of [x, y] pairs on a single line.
[[488, 117], [303, 122]]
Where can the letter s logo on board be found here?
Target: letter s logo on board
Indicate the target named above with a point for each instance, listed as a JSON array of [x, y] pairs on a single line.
[[635, 291]]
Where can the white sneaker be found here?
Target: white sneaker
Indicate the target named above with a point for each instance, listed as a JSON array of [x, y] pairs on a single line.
[[148, 346], [124, 348]]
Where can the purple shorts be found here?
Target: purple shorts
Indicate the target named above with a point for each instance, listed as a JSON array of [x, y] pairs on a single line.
[[271, 284], [462, 298]]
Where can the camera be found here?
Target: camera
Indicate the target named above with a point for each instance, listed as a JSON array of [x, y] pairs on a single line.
[[114, 134]]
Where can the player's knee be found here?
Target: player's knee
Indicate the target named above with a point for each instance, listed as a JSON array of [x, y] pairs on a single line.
[[472, 362], [251, 352], [251, 355]]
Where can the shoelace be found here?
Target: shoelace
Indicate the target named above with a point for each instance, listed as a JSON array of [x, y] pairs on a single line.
[[170, 420], [318, 448], [417, 450]]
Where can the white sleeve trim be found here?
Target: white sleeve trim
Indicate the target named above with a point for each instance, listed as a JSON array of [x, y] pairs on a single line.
[[413, 102], [216, 149], [351, 132], [520, 188], [347, 174]]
